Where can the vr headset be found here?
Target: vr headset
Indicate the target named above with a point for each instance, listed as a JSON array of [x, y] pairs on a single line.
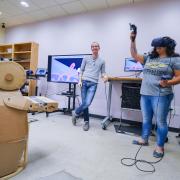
[[163, 42]]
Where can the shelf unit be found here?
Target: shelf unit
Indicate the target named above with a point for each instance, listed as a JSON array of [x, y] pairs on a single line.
[[25, 54], [6, 51]]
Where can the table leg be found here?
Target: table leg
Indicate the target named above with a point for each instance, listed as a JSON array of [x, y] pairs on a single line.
[[107, 120]]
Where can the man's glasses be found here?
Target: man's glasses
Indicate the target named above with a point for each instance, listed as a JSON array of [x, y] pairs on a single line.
[[94, 46]]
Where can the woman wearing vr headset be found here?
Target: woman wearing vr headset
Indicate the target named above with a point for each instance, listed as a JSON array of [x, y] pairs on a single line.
[[161, 72]]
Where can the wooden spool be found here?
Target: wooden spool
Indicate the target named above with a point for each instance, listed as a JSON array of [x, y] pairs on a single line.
[[13, 122], [12, 76]]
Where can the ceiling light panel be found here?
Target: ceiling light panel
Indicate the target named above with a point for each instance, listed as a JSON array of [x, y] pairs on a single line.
[[9, 8], [24, 4], [32, 6]]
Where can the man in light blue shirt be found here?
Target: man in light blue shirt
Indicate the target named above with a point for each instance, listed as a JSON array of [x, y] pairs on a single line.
[[91, 67]]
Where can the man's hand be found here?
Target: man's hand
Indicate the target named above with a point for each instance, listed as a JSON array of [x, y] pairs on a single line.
[[105, 78], [80, 84], [164, 83]]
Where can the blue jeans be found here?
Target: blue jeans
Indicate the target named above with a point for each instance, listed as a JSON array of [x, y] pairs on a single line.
[[88, 91], [159, 107]]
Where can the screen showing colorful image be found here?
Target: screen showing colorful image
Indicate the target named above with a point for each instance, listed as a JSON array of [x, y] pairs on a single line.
[[41, 72], [64, 68], [132, 65]]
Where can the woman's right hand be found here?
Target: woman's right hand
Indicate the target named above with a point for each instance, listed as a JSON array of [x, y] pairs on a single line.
[[133, 49], [132, 36], [164, 83]]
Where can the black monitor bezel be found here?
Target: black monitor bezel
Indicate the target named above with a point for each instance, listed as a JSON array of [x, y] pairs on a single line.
[[126, 59], [50, 64]]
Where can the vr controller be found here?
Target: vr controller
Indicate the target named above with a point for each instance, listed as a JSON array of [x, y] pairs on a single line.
[[166, 77], [133, 30]]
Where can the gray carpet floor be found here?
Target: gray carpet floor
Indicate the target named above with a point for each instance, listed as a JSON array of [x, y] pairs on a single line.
[[58, 150]]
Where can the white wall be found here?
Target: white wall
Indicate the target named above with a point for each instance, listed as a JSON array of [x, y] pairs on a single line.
[[2, 35], [73, 34]]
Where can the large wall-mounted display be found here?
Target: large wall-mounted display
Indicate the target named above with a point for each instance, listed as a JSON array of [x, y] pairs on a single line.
[[65, 68]]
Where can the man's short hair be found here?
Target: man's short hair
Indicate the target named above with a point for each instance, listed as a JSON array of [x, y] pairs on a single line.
[[95, 43]]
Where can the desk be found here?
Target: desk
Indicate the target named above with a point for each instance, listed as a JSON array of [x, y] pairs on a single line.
[[108, 119]]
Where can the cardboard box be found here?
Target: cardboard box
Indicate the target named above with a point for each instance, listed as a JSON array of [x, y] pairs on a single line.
[[13, 135], [48, 105]]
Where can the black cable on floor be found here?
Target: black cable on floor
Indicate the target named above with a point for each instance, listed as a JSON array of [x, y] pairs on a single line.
[[136, 161], [31, 120]]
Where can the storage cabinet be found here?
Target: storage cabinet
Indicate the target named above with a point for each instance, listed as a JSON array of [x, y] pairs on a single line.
[[26, 54], [6, 51]]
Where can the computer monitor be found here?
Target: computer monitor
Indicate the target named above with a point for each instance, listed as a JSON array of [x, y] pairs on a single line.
[[65, 68], [131, 65], [41, 72]]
